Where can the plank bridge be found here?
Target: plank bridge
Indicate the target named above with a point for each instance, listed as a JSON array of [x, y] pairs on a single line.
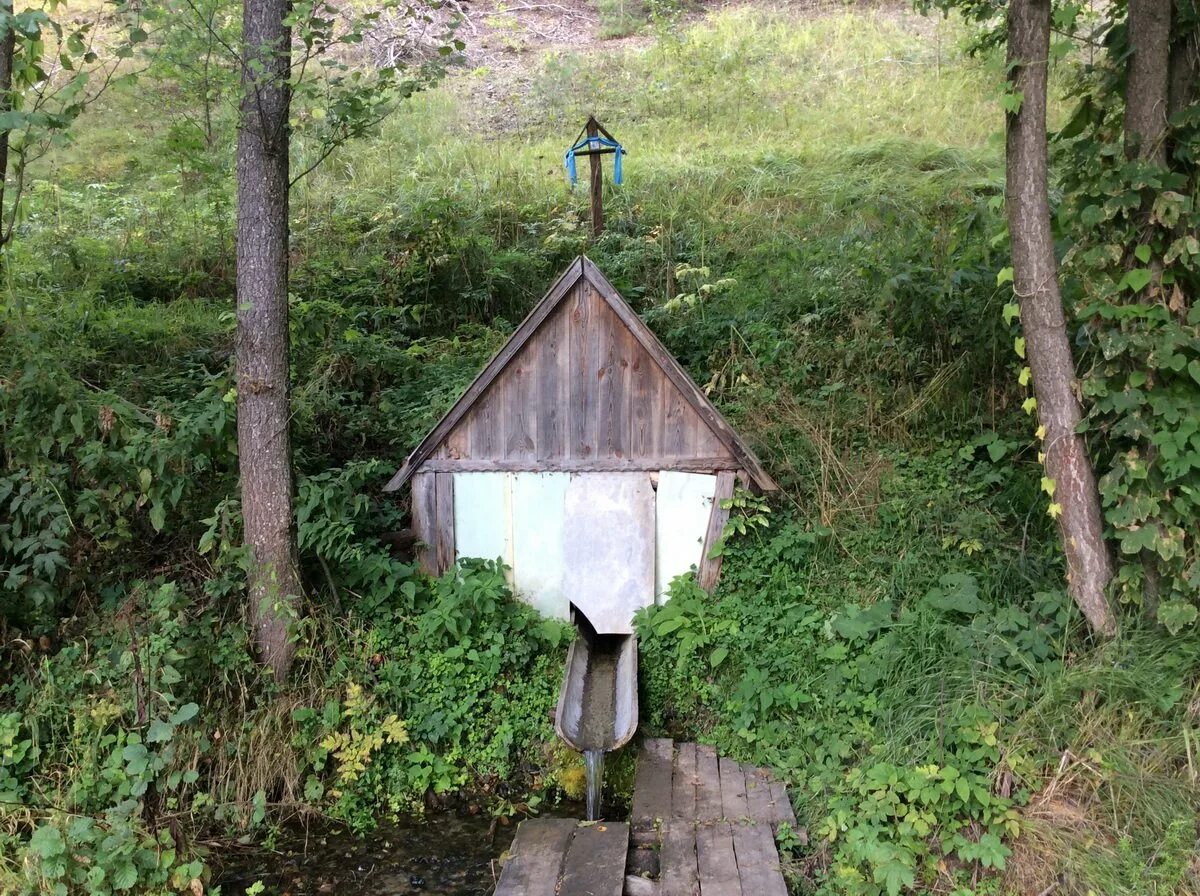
[[700, 825]]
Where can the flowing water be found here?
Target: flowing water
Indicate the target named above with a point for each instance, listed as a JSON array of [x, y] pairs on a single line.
[[597, 719], [598, 715], [594, 763]]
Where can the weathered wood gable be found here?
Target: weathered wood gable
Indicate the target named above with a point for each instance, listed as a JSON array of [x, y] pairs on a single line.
[[583, 385]]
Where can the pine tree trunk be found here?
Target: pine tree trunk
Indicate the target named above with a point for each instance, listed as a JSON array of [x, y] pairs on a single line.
[[1035, 274], [264, 441]]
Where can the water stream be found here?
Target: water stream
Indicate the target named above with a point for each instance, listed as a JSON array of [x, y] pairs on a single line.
[[598, 715], [594, 763]]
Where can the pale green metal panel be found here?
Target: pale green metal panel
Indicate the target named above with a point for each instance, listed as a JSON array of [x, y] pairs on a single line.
[[483, 516], [683, 505], [538, 519]]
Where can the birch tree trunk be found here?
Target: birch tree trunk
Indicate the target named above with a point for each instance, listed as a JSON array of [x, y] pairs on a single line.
[[263, 377], [1035, 276]]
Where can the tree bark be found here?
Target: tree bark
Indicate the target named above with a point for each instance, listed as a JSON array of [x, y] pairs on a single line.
[[1146, 80], [1183, 71], [1035, 276], [263, 379]]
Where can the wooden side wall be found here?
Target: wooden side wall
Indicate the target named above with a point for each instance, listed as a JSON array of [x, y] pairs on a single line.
[[582, 394]]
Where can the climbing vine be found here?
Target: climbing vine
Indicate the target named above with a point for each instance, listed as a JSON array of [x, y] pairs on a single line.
[[1133, 268]]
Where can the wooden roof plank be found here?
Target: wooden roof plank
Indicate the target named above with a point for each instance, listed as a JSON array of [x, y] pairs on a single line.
[[499, 361], [583, 269], [678, 376]]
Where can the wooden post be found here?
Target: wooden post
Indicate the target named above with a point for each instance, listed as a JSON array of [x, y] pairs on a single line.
[[593, 130]]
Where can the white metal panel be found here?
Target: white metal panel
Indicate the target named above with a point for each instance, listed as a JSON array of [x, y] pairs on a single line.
[[482, 516], [538, 510], [684, 503], [609, 547]]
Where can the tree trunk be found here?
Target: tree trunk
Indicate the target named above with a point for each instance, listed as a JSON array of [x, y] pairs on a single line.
[[1146, 80], [1147, 107], [264, 442], [8, 48], [1183, 70], [1035, 275]]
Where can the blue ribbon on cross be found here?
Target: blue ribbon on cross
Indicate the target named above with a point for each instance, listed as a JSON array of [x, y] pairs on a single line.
[[592, 144]]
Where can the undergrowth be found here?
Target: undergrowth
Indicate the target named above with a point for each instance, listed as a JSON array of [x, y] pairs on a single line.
[[808, 222]]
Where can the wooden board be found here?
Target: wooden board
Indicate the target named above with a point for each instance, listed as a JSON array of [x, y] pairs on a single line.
[[608, 538], [708, 785], [424, 517], [683, 783], [782, 804], [444, 500], [595, 861], [652, 784], [710, 567], [683, 505], [703, 853], [679, 871], [758, 860], [716, 861], [733, 790], [536, 858], [758, 793], [584, 379]]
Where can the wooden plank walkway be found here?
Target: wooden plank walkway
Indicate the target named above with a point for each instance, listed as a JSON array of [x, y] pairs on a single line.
[[711, 821], [564, 857]]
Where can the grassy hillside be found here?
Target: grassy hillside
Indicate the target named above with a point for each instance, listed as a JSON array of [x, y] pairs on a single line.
[[811, 222]]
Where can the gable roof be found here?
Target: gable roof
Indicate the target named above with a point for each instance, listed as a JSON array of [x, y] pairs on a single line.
[[580, 271]]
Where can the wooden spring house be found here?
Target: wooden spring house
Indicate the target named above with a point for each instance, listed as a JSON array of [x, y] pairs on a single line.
[[584, 457]]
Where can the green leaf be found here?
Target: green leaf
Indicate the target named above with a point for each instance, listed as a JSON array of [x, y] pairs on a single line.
[[1142, 254], [125, 876], [958, 592], [1176, 615], [1081, 119], [47, 842], [717, 657], [185, 713], [1091, 216], [158, 516], [136, 757], [11, 121], [1135, 280], [159, 732], [1004, 276]]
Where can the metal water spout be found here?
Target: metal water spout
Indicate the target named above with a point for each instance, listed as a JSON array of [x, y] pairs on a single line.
[[597, 705]]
